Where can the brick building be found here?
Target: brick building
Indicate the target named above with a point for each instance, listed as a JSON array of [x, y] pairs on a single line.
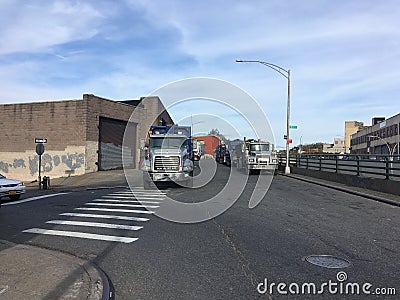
[[84, 135], [210, 141]]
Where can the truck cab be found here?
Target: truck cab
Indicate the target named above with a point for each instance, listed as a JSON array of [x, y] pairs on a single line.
[[169, 155], [255, 155]]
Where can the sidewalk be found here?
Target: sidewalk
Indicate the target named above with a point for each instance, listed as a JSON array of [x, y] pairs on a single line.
[[97, 180], [370, 194], [29, 272]]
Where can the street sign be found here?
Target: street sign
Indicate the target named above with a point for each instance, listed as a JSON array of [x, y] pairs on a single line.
[[285, 137], [39, 149], [40, 140], [293, 126]]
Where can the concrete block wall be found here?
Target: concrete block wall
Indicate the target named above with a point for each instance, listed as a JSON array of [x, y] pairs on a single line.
[[25, 165], [60, 122], [96, 107], [148, 113], [71, 128]]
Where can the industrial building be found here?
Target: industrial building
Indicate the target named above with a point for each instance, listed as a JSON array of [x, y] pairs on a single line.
[[337, 147], [83, 135], [380, 138], [351, 127]]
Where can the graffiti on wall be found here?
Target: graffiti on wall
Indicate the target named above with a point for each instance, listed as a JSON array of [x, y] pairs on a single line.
[[70, 161]]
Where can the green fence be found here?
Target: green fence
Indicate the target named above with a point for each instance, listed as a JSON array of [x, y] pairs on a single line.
[[376, 166]]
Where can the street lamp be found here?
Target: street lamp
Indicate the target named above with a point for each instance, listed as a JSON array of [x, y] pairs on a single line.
[[300, 144], [286, 74], [391, 151]]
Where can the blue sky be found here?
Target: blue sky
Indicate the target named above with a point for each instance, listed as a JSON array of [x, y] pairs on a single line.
[[344, 55]]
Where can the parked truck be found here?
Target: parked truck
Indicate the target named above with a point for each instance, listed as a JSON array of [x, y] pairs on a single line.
[[197, 150], [168, 156], [253, 156]]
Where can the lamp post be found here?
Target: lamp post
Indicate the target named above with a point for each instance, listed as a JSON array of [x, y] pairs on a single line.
[[286, 74], [391, 151], [300, 149]]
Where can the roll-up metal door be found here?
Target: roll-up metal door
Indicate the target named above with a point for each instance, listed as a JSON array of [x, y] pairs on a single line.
[[111, 136]]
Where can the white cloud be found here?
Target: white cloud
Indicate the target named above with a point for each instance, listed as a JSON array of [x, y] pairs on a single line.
[[344, 56], [40, 24]]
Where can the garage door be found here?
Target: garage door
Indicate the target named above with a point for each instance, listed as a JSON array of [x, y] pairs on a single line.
[[111, 135]]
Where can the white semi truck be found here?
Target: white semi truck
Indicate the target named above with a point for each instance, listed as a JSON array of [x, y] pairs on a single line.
[[253, 156]]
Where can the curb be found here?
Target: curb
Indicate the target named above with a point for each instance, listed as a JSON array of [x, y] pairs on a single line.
[[108, 289], [78, 189], [372, 197], [99, 286]]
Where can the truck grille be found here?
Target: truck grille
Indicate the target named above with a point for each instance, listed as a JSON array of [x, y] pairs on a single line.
[[262, 159], [166, 163]]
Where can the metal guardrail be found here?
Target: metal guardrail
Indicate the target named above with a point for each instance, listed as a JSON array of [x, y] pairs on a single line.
[[376, 165]]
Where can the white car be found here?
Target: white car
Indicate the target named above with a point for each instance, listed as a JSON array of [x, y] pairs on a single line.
[[11, 188]]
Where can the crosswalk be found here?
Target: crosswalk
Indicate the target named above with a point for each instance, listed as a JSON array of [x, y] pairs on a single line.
[[121, 212]]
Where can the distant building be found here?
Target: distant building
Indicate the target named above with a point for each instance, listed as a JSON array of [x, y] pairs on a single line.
[[234, 143], [210, 142], [336, 148], [350, 128], [83, 135], [380, 138]]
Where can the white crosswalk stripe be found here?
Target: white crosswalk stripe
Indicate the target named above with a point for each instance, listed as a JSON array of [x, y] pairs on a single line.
[[125, 201], [83, 235], [122, 205], [116, 210], [107, 207], [139, 193], [141, 197], [133, 198], [105, 217], [95, 224]]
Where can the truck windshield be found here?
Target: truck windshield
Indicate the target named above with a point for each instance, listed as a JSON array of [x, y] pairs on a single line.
[[168, 143], [259, 147]]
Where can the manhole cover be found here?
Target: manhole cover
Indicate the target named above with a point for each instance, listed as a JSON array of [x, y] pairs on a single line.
[[328, 261]]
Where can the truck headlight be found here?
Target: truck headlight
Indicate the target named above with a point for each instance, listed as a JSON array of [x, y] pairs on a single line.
[[251, 160]]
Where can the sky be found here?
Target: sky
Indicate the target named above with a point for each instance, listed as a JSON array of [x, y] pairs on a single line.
[[344, 56]]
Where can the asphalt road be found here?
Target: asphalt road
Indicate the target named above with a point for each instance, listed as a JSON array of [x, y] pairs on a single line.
[[229, 256]]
